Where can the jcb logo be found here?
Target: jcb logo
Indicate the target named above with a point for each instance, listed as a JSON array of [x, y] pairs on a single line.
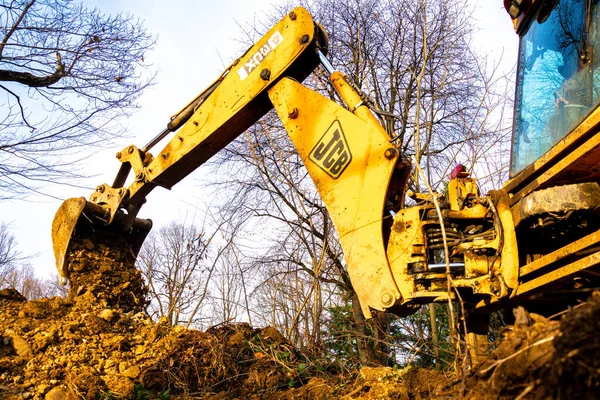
[[332, 153]]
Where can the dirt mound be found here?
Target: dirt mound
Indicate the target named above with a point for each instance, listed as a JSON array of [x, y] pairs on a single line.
[[393, 383], [51, 343], [574, 371], [98, 343], [11, 294], [540, 359], [537, 358]]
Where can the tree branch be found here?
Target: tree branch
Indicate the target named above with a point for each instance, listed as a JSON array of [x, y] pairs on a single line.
[[28, 79], [14, 27], [20, 107]]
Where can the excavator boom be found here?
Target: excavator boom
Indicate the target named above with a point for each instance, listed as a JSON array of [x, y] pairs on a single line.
[[235, 101]]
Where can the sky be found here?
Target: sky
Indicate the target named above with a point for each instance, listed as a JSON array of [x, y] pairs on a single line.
[[196, 41]]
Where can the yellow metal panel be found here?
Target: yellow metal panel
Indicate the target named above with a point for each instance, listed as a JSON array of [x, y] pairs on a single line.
[[509, 266], [407, 231], [345, 157], [62, 229], [459, 189], [560, 273], [353, 100], [563, 252]]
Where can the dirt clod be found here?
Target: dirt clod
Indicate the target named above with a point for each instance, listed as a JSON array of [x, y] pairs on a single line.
[[11, 294]]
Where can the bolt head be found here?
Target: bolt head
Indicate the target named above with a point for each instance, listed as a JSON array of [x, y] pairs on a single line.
[[265, 74], [390, 153], [293, 114], [292, 15], [119, 155], [387, 299], [304, 39]]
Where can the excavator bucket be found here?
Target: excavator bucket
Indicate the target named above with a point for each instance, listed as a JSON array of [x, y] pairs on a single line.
[[78, 220]]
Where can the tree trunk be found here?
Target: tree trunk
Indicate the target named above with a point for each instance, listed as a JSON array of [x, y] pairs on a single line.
[[434, 335], [380, 328], [366, 354]]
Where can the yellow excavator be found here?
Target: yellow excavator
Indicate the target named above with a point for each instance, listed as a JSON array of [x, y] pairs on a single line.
[[537, 236]]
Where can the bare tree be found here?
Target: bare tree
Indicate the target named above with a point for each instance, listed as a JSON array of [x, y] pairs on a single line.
[[178, 263], [16, 273], [52, 287], [24, 279], [9, 255], [435, 98], [67, 73], [230, 298], [415, 61]]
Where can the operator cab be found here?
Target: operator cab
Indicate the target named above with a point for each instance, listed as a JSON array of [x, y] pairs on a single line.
[[555, 159], [558, 79]]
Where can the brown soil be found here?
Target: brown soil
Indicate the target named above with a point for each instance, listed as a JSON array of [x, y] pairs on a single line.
[[106, 269], [540, 359], [99, 344]]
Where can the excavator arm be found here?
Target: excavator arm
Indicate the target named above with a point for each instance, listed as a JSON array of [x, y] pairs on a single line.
[[235, 101], [345, 149], [461, 244]]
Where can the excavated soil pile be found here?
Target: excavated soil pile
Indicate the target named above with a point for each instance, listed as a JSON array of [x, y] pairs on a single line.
[[99, 344], [62, 348], [540, 359], [390, 383]]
